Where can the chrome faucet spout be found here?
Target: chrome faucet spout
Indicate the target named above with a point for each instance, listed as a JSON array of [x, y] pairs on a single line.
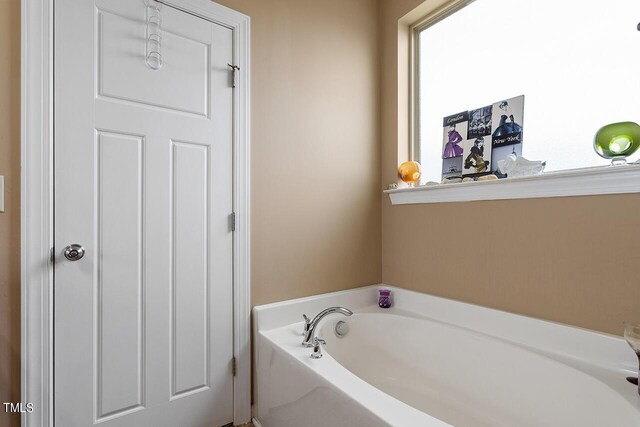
[[310, 333]]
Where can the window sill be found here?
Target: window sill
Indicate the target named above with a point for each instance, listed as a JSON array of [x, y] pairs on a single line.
[[574, 182]]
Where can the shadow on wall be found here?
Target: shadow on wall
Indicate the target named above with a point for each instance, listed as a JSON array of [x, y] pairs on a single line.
[[9, 382]]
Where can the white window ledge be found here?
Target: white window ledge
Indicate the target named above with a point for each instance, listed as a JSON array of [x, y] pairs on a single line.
[[574, 182]]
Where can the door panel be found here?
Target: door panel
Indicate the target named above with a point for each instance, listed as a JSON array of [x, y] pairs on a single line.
[[143, 180], [120, 304], [187, 53], [189, 287]]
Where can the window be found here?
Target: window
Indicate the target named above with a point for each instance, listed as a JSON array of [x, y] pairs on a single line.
[[576, 63]]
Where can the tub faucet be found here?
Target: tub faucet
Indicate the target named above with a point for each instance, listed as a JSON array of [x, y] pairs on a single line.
[[310, 326]]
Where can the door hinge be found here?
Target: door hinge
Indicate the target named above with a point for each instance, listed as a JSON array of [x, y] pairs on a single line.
[[233, 366], [52, 255], [233, 221]]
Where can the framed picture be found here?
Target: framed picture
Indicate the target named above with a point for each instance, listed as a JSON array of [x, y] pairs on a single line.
[[479, 122], [476, 156], [455, 126], [474, 141], [507, 121]]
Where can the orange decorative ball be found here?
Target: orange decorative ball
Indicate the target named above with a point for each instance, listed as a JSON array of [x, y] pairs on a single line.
[[409, 172]]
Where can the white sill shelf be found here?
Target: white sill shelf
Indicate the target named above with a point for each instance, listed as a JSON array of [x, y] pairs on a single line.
[[574, 182]]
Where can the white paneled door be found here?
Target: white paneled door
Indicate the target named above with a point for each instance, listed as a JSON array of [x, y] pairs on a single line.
[[143, 183]]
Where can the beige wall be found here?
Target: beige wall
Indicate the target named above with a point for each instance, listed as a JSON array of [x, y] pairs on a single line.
[[315, 154], [572, 260], [10, 219]]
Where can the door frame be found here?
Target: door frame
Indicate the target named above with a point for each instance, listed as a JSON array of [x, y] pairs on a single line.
[[36, 205]]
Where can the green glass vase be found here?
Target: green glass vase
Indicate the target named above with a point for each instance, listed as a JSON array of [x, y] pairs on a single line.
[[617, 141]]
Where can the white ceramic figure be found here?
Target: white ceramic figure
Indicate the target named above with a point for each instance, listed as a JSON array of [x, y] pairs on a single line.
[[517, 166]]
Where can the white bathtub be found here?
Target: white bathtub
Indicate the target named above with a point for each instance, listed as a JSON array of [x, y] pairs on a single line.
[[434, 362]]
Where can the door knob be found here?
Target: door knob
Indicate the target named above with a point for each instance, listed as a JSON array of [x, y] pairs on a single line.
[[74, 252]]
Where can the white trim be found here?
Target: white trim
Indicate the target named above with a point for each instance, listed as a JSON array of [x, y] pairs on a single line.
[[575, 182], [37, 211], [37, 205], [242, 235]]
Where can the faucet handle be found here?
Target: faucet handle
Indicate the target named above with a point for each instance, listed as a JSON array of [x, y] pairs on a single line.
[[317, 348], [307, 324]]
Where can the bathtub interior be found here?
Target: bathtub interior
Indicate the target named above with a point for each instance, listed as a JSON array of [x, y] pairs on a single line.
[[469, 379]]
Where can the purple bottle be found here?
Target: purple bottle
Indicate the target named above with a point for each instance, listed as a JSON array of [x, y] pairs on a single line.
[[385, 298]]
